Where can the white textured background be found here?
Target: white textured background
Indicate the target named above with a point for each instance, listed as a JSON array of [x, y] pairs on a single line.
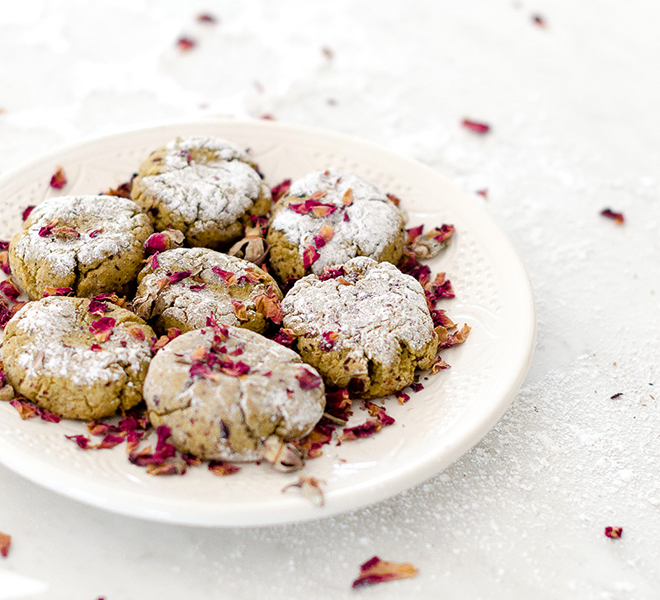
[[576, 128]]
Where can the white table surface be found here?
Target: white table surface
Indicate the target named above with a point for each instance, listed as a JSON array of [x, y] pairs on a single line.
[[576, 129]]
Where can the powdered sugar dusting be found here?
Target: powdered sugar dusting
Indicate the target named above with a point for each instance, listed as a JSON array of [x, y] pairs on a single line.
[[193, 299], [373, 221], [51, 325], [206, 191], [110, 219], [382, 310]]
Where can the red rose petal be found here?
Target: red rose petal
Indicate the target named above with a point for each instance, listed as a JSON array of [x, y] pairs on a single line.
[[185, 44], [286, 337], [26, 213], [4, 262], [280, 190], [102, 328], [81, 440], [227, 276], [613, 532], [615, 216], [476, 126], [207, 18], [269, 306], [47, 229], [366, 429], [307, 379], [58, 180], [10, 289], [310, 256], [221, 469], [376, 570], [394, 199], [5, 544], [97, 308]]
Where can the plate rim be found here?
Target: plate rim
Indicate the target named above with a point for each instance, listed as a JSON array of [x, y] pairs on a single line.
[[458, 443]]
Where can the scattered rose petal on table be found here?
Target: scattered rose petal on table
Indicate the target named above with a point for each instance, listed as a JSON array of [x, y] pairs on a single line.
[[5, 543], [476, 126], [613, 532], [376, 570], [615, 216]]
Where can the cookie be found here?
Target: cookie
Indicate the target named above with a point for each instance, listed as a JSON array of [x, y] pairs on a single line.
[[182, 287], [365, 326], [92, 244], [329, 217], [232, 394], [205, 187], [78, 358]]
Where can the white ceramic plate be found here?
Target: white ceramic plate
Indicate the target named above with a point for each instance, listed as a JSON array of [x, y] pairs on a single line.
[[439, 424]]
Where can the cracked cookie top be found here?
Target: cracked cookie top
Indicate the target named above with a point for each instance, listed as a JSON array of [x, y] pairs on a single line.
[[365, 326], [329, 217], [228, 393], [183, 287], [206, 187], [92, 244], [78, 358]]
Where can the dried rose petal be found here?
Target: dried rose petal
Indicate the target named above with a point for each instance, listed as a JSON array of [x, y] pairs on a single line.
[[280, 190], [220, 331], [269, 306], [111, 440], [613, 532], [3, 379], [307, 379], [4, 262], [177, 466], [207, 18], [332, 273], [455, 338], [538, 20], [416, 387], [311, 488], [5, 315], [483, 192], [411, 266], [179, 276], [164, 240], [67, 233], [185, 43], [439, 288], [394, 199], [26, 213], [102, 328], [221, 469], [476, 126], [617, 395], [615, 216], [347, 198], [123, 190], [286, 337], [97, 308], [5, 543], [239, 310], [324, 236], [413, 233], [10, 289], [379, 412], [249, 276], [47, 229], [136, 332], [48, 416], [439, 365], [58, 180], [346, 217], [329, 340], [366, 429], [310, 256], [4, 245], [227, 276], [338, 404], [402, 397], [81, 440], [376, 570], [25, 409], [318, 209]]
